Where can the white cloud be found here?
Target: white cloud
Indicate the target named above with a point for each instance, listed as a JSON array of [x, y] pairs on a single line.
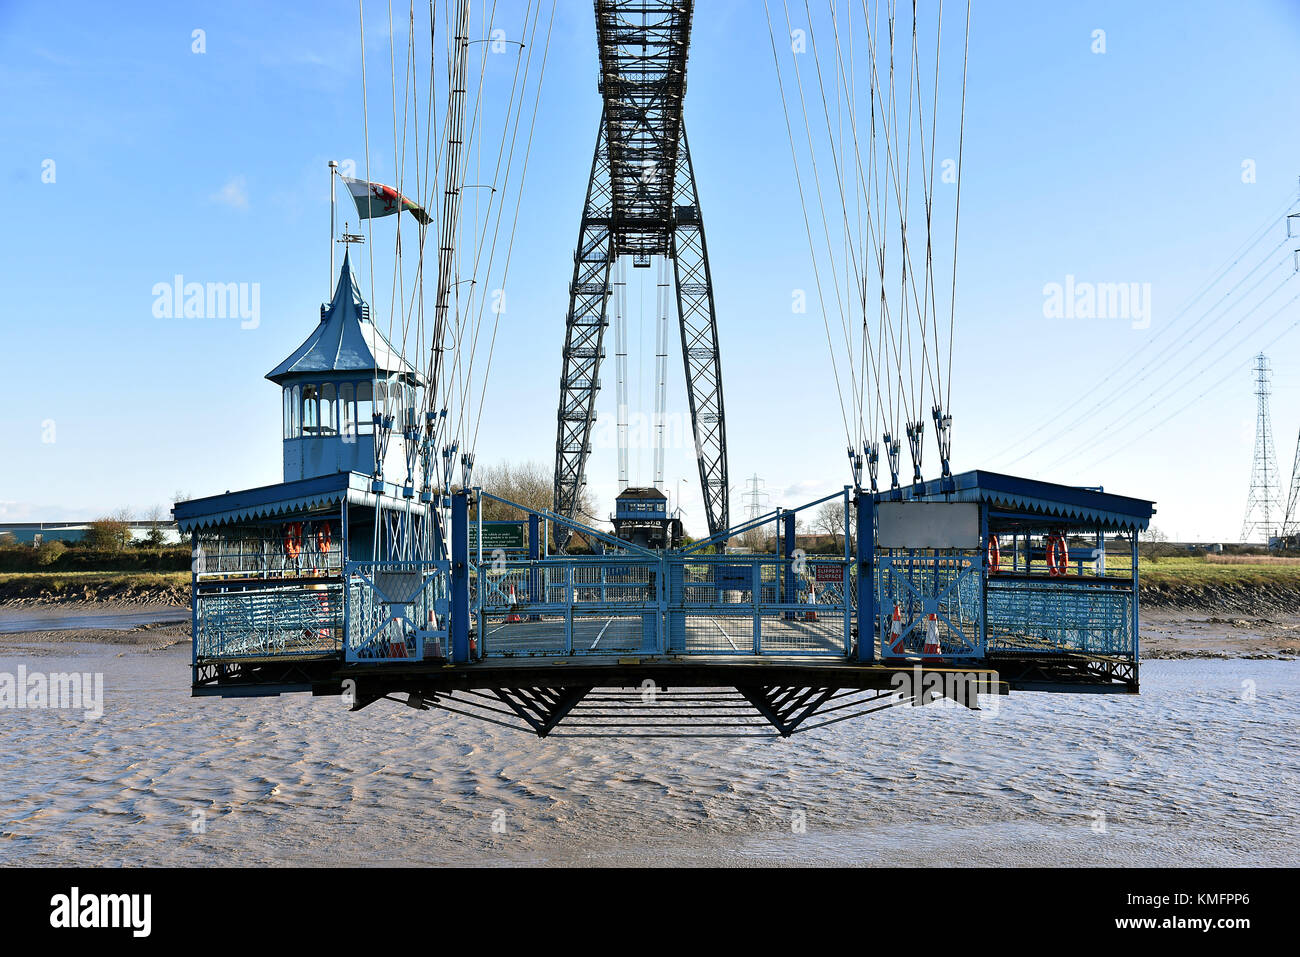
[[233, 194]]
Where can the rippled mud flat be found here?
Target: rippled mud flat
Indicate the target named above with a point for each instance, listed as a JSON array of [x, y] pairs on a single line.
[[1215, 633], [1200, 769]]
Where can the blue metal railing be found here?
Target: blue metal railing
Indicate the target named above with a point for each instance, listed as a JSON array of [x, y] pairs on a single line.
[[397, 611], [568, 606], [915, 586], [1061, 616], [758, 605], [266, 622], [743, 605]]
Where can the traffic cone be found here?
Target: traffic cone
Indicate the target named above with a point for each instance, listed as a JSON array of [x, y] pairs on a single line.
[[896, 631], [513, 618], [932, 635], [811, 613]]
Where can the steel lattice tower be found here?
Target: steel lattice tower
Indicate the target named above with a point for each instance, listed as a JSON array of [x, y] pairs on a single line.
[[1263, 507], [1291, 521], [756, 495], [641, 202]]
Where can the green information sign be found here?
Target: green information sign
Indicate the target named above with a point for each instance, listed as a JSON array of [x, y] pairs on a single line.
[[497, 535]]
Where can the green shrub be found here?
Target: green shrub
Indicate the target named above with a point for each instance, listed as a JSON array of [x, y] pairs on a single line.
[[47, 553]]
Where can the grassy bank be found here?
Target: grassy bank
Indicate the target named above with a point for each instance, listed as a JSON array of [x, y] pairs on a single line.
[[104, 586], [55, 557], [1240, 587], [1199, 571]]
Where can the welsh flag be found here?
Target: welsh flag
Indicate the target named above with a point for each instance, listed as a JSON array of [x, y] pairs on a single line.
[[375, 200]]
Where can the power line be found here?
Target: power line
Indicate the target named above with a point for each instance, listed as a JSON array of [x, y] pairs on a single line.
[[1256, 237]]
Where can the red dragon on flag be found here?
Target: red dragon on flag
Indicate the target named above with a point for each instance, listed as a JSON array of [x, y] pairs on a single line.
[[375, 200]]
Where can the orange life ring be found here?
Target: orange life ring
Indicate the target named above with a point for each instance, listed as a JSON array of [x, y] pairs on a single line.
[[293, 540], [995, 555], [1058, 556], [323, 538]]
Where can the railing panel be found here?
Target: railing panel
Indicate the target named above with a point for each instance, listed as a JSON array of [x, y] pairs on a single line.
[[397, 611], [1059, 617], [748, 605], [267, 622], [929, 601], [697, 605], [569, 606]]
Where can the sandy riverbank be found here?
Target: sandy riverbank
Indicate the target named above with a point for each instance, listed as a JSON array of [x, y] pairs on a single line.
[[142, 638]]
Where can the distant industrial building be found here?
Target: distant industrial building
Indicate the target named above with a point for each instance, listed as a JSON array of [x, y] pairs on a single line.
[[33, 533]]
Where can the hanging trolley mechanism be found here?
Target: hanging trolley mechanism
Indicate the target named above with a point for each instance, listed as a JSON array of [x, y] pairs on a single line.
[[872, 450]]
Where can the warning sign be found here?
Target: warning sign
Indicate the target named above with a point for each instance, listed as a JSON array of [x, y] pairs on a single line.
[[829, 574], [497, 535]]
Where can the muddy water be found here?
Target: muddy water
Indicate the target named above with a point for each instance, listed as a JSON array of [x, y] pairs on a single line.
[[54, 618], [1202, 768]]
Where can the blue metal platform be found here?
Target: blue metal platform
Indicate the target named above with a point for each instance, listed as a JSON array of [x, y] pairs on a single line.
[[538, 634]]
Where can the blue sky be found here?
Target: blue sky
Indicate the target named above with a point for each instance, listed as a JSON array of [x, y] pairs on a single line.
[[1117, 167]]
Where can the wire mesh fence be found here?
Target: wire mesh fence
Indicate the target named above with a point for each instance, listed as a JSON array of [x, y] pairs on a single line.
[[268, 622], [397, 611], [1060, 617]]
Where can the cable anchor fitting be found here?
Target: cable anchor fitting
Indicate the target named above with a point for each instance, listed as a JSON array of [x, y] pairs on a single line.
[[892, 448], [873, 463], [915, 433], [855, 463], [943, 434]]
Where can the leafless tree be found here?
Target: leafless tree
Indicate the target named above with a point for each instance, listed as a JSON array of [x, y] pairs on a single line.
[[830, 519], [531, 485]]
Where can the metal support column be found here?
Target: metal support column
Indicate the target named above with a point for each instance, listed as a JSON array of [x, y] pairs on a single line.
[[866, 591], [983, 559], [701, 355], [534, 554], [460, 577], [788, 554], [1136, 656]]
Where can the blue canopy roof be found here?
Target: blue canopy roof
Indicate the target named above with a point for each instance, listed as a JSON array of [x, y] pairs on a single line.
[[1031, 497], [346, 340], [286, 498]]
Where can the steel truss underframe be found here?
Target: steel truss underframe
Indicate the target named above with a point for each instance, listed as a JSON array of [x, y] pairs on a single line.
[[602, 712], [641, 201]]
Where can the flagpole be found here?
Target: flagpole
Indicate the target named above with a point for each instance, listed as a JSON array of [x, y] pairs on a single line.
[[333, 166]]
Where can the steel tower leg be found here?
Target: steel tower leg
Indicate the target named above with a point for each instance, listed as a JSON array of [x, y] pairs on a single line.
[[700, 353], [584, 338]]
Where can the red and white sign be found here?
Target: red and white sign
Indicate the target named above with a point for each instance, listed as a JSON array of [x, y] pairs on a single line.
[[829, 574]]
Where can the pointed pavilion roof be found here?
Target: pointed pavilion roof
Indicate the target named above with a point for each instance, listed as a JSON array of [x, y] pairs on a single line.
[[345, 340]]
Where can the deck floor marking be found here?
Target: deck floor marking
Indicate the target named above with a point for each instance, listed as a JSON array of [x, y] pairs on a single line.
[[734, 646], [602, 634]]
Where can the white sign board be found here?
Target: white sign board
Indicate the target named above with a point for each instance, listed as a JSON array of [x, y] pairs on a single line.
[[928, 525]]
